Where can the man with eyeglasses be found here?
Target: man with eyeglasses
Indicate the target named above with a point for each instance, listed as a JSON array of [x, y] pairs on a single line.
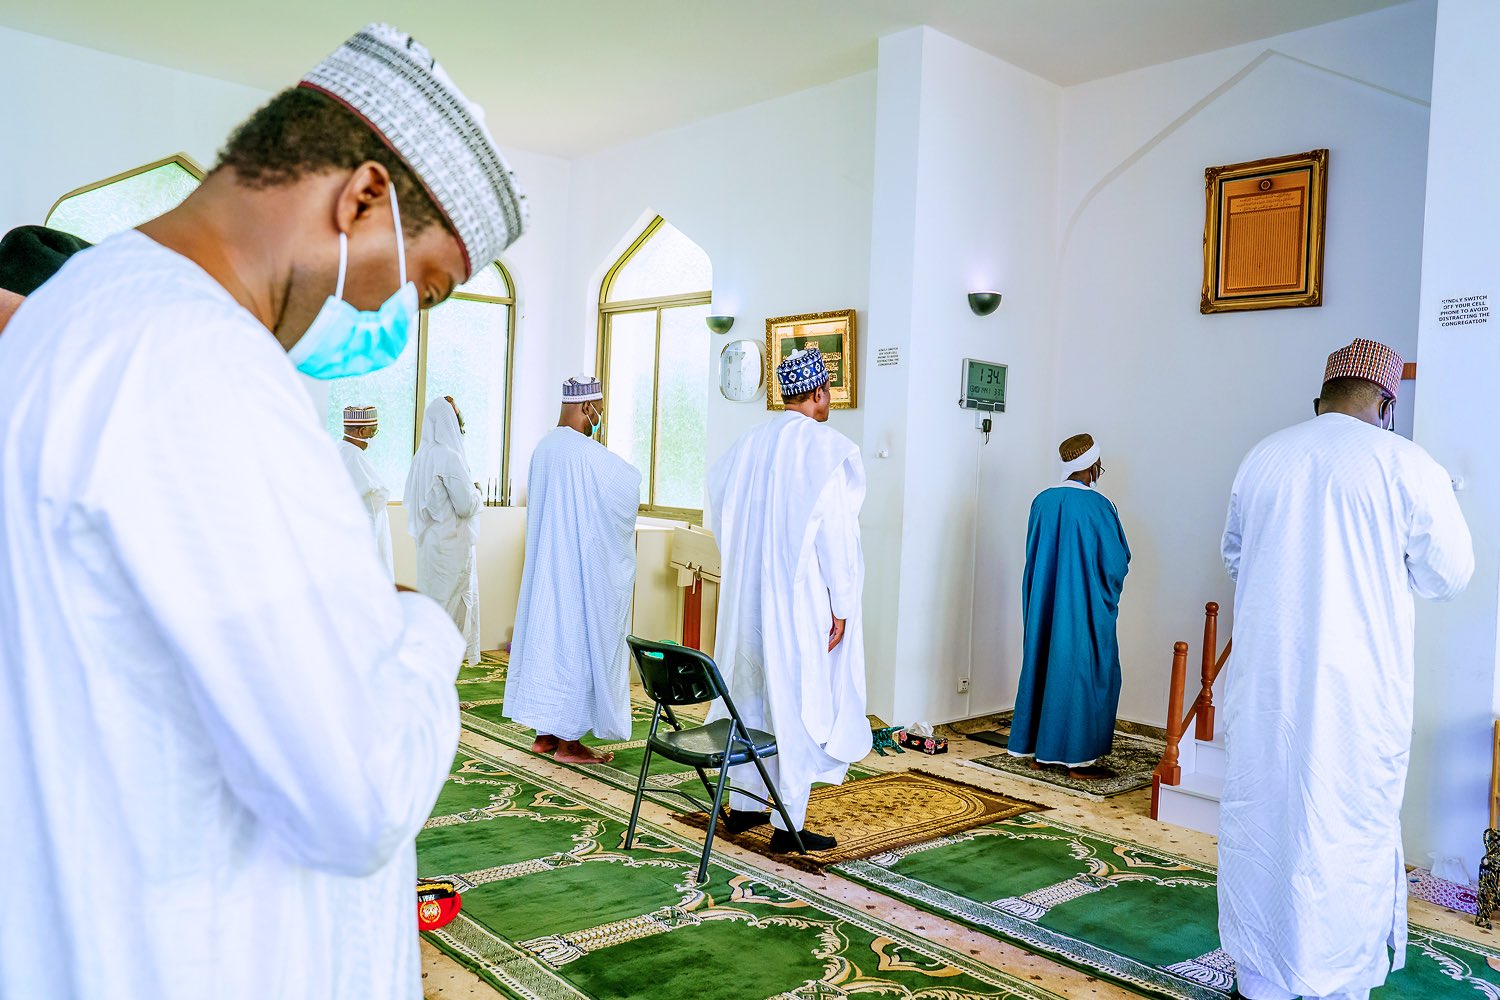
[[1333, 525]]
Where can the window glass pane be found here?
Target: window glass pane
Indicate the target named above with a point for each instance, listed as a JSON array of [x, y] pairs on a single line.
[[628, 397], [667, 264], [123, 204], [394, 391], [681, 452], [489, 281], [466, 354]]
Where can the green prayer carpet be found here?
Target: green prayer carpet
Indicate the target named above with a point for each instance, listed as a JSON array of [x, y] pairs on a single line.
[[1131, 914], [554, 907]]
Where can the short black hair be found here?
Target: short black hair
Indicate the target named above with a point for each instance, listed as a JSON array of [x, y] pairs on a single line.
[[1356, 391], [303, 132], [799, 398]]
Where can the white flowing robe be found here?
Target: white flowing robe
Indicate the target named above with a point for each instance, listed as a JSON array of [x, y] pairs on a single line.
[[1332, 525], [569, 665], [220, 726], [784, 506], [373, 494], [442, 514]]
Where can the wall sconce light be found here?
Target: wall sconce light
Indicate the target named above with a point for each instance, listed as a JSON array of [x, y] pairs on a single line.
[[719, 324], [984, 303]]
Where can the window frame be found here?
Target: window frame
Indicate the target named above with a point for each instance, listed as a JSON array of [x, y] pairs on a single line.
[[183, 160], [509, 301], [607, 311]]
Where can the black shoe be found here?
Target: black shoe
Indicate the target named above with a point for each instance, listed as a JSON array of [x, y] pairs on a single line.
[[782, 841], [741, 820]]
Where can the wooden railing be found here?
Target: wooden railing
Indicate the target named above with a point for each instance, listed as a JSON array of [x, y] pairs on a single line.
[[1169, 771]]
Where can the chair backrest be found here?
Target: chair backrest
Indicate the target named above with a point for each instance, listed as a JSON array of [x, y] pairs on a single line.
[[676, 675]]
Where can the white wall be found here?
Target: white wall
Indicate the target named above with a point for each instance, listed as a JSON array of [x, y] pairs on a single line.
[[1457, 697], [982, 191], [777, 194], [76, 116], [1175, 397]]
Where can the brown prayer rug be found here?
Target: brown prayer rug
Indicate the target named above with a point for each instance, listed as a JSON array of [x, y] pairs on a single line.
[[880, 815]]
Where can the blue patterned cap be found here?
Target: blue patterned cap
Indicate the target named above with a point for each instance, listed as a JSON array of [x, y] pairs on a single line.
[[802, 371], [582, 389]]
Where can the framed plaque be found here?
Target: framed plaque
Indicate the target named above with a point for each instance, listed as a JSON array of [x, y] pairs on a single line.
[[1263, 233], [834, 336]]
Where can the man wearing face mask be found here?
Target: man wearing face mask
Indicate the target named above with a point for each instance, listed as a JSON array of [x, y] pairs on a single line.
[[1076, 560], [221, 727], [442, 515], [361, 424], [569, 666], [1333, 525]]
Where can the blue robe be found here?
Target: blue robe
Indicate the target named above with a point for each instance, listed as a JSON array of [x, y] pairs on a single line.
[[1076, 559]]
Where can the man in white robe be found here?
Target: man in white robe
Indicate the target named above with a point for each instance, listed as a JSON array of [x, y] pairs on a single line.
[[361, 424], [220, 727], [569, 666], [784, 506], [442, 514], [1333, 525]]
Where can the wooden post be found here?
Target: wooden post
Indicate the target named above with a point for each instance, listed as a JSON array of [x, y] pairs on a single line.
[[1495, 780], [1169, 769], [1205, 730], [692, 615]]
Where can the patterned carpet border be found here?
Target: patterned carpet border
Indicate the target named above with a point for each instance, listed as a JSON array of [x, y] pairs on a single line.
[[518, 973], [872, 816], [1146, 979]]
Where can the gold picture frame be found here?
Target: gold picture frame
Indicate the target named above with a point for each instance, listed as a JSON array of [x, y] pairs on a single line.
[[834, 335], [1263, 233]]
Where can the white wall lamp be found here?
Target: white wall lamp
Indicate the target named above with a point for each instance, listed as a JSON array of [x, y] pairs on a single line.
[[719, 324], [984, 303]]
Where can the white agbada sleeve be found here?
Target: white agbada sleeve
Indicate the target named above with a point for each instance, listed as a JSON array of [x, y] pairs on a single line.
[[1229, 547], [836, 545], [1440, 550], [328, 698]]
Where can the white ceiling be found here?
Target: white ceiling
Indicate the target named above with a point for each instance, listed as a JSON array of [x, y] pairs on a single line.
[[570, 76]]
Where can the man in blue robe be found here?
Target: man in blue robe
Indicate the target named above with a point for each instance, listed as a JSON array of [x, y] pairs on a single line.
[[1076, 560]]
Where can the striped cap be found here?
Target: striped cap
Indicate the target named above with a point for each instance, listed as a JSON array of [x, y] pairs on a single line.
[[1369, 360], [360, 416], [394, 84], [582, 389]]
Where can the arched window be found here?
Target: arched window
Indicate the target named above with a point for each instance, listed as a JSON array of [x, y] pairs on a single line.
[[653, 351], [464, 349], [99, 210]]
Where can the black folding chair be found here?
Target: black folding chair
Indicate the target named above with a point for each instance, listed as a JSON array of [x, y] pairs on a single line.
[[675, 676]]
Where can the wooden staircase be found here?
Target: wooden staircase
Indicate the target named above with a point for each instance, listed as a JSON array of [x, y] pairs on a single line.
[[1188, 783]]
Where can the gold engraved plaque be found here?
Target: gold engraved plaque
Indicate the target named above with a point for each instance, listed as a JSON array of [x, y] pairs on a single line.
[[1263, 233]]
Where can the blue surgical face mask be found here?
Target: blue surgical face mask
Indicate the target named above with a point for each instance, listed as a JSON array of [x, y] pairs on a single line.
[[344, 341], [595, 422]]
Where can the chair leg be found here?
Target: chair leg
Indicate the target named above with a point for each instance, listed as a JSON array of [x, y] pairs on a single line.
[[713, 820], [640, 785], [775, 794]]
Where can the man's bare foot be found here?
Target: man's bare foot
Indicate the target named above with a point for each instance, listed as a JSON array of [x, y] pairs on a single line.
[[1034, 764], [1090, 773], [544, 744], [573, 752]]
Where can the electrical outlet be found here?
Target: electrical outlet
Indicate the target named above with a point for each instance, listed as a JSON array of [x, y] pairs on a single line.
[[963, 685]]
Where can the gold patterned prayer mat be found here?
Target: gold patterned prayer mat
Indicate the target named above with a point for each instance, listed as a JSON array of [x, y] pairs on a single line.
[[554, 908], [881, 814]]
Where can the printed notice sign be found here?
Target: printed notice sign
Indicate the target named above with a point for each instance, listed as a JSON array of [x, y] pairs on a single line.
[[1464, 310], [886, 357]]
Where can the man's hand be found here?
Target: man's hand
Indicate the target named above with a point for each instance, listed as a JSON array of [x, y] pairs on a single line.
[[835, 634]]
